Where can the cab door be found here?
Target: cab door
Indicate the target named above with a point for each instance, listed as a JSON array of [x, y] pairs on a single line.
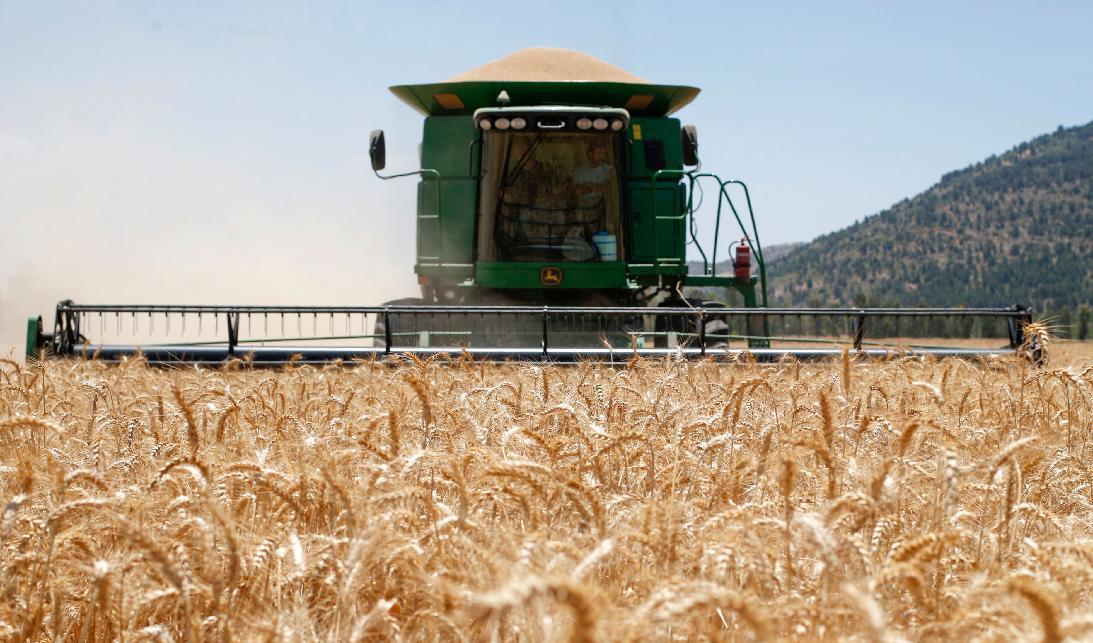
[[656, 236]]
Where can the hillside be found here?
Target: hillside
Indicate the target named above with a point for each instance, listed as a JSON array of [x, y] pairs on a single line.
[[1015, 228]]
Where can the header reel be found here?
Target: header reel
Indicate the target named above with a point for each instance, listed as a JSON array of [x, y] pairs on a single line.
[[270, 335]]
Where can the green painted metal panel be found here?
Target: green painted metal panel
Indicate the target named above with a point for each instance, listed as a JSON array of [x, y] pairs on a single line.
[[652, 239], [708, 281], [445, 143], [447, 148], [647, 135], [34, 333], [666, 99], [640, 271], [655, 145], [428, 228], [524, 275], [448, 273]]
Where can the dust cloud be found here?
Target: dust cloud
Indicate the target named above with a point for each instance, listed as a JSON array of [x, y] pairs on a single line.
[[109, 221], [269, 268]]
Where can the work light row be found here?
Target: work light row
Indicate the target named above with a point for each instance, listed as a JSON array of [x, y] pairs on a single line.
[[582, 123]]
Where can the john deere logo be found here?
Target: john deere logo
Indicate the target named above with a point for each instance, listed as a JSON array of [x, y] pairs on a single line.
[[550, 276]]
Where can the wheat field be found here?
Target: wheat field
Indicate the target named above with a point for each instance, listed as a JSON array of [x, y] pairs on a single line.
[[450, 500]]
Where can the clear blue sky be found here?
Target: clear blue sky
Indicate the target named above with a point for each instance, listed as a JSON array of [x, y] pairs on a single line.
[[201, 151]]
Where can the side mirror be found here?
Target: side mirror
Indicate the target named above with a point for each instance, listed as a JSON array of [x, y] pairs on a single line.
[[689, 136], [377, 150]]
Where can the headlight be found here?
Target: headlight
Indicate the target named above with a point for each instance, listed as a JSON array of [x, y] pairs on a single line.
[[485, 124], [584, 123], [617, 125], [519, 123], [501, 123], [600, 123]]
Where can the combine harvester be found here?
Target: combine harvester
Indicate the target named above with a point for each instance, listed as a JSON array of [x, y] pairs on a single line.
[[556, 201]]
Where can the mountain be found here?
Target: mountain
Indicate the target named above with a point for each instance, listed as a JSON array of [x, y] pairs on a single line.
[[1015, 228]]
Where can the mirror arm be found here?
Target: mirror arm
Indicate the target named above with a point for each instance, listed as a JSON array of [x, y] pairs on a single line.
[[435, 174]]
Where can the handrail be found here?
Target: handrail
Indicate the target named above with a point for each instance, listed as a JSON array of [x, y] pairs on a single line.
[[755, 229], [653, 213], [709, 268]]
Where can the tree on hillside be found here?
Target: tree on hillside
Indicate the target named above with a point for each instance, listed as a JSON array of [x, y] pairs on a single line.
[[1014, 228]]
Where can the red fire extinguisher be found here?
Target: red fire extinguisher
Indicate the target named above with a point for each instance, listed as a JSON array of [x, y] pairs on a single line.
[[742, 262]]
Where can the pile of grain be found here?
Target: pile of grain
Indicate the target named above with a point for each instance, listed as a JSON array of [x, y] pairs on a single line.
[[548, 64]]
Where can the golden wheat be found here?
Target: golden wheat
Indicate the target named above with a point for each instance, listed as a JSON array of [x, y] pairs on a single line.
[[451, 500]]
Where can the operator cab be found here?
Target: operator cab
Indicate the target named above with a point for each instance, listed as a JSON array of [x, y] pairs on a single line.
[[551, 184]]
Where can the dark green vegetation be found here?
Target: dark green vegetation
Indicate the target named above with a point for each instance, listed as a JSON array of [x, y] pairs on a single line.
[[1015, 228]]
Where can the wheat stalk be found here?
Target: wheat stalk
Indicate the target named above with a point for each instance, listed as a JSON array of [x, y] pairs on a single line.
[[466, 500]]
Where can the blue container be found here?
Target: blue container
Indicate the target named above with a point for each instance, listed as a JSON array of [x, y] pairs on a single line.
[[606, 245]]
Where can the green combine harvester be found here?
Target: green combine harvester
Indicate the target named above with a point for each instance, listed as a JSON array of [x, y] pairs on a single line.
[[557, 199]]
